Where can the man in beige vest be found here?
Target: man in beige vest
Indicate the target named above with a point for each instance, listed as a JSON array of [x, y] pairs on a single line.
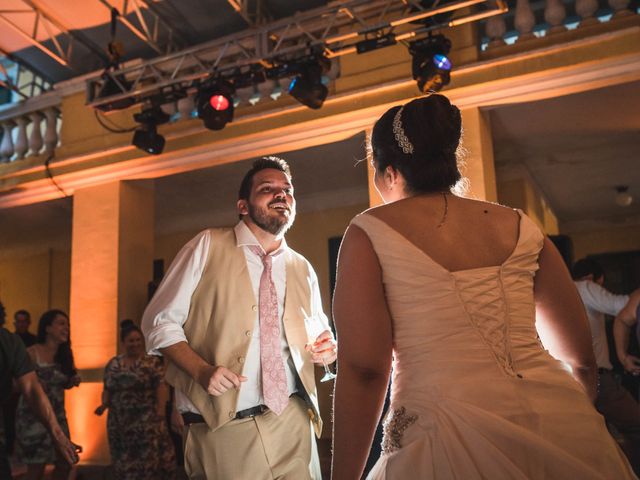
[[239, 317]]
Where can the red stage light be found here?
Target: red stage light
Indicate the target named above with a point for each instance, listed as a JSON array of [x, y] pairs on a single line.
[[219, 102]]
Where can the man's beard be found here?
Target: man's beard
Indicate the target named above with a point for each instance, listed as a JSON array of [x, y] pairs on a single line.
[[274, 224]]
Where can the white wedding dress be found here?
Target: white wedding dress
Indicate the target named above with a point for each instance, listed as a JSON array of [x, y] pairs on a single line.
[[474, 394]]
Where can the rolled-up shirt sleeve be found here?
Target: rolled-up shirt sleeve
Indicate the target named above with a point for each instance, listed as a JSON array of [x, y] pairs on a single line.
[[167, 311], [599, 298]]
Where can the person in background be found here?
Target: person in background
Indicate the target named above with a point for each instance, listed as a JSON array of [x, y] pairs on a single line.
[[622, 327], [614, 402], [21, 322], [16, 367], [54, 365], [136, 395]]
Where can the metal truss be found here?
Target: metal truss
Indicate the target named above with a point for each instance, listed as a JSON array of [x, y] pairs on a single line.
[[254, 12], [340, 28], [150, 26], [44, 24]]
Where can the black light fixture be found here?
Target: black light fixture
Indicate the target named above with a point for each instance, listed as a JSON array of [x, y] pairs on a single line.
[[307, 86], [430, 65], [146, 137], [214, 104], [109, 85]]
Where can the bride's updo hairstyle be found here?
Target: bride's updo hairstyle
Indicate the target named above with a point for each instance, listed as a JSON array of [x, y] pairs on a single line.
[[421, 143]]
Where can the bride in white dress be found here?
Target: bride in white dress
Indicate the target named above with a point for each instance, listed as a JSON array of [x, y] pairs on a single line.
[[472, 312]]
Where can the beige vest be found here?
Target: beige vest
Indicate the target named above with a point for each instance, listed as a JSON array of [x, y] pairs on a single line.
[[221, 319]]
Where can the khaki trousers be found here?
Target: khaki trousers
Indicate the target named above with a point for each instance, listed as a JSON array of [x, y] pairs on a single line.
[[265, 447]]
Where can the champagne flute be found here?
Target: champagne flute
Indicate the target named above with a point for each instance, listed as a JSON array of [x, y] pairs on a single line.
[[314, 328]]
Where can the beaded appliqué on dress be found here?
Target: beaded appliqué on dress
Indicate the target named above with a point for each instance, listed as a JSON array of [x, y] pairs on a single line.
[[394, 427], [398, 133]]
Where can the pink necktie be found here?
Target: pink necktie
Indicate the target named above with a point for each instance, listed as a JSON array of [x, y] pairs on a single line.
[[274, 379]]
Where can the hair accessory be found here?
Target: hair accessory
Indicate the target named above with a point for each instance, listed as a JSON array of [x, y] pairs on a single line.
[[398, 132]]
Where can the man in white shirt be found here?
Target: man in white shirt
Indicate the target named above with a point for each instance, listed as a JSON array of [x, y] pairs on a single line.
[[239, 317], [614, 402]]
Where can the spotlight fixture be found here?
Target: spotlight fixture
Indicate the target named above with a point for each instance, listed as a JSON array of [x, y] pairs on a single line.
[[146, 137], [307, 86], [215, 105], [430, 65]]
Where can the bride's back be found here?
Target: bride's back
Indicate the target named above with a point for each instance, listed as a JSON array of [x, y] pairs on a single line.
[[457, 233]]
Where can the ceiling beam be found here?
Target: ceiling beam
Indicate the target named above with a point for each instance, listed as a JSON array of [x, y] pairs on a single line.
[[43, 22], [146, 24]]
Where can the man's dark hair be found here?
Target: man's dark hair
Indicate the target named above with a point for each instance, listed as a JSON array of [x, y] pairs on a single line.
[[585, 267], [22, 312], [261, 164], [3, 314]]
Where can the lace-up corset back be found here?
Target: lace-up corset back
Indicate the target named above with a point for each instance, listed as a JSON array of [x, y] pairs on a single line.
[[486, 314], [474, 394]]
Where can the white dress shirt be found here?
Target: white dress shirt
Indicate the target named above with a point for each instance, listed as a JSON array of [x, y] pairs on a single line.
[[599, 301], [168, 310]]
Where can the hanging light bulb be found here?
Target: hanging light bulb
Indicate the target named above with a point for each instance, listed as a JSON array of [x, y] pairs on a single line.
[[623, 197]]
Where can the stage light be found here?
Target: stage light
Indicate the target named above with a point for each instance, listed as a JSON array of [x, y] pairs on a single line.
[[146, 137], [215, 105], [307, 86], [430, 65]]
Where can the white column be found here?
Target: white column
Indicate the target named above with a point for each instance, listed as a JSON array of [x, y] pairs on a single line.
[[35, 139], [495, 29], [585, 10], [620, 8], [22, 145], [524, 20], [554, 14], [50, 132], [6, 147]]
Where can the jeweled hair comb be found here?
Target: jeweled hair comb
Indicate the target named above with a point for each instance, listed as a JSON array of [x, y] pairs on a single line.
[[398, 132]]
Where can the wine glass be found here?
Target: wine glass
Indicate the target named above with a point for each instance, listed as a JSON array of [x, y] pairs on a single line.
[[314, 328]]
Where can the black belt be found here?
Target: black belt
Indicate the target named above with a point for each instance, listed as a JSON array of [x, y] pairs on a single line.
[[251, 412], [191, 417], [604, 370]]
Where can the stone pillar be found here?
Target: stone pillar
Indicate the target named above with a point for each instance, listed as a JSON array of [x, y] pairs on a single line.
[[111, 263], [480, 167]]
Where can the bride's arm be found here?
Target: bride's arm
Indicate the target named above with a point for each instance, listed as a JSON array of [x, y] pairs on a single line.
[[561, 319], [363, 325]]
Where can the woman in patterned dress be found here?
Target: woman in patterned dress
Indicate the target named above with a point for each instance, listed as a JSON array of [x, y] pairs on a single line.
[[56, 371], [136, 396]]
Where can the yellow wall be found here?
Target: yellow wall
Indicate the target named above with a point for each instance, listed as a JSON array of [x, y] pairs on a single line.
[[36, 282], [621, 239], [523, 194]]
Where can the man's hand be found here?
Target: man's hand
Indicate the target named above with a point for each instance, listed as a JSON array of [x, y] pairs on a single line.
[[631, 364], [324, 349], [66, 448], [217, 380]]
